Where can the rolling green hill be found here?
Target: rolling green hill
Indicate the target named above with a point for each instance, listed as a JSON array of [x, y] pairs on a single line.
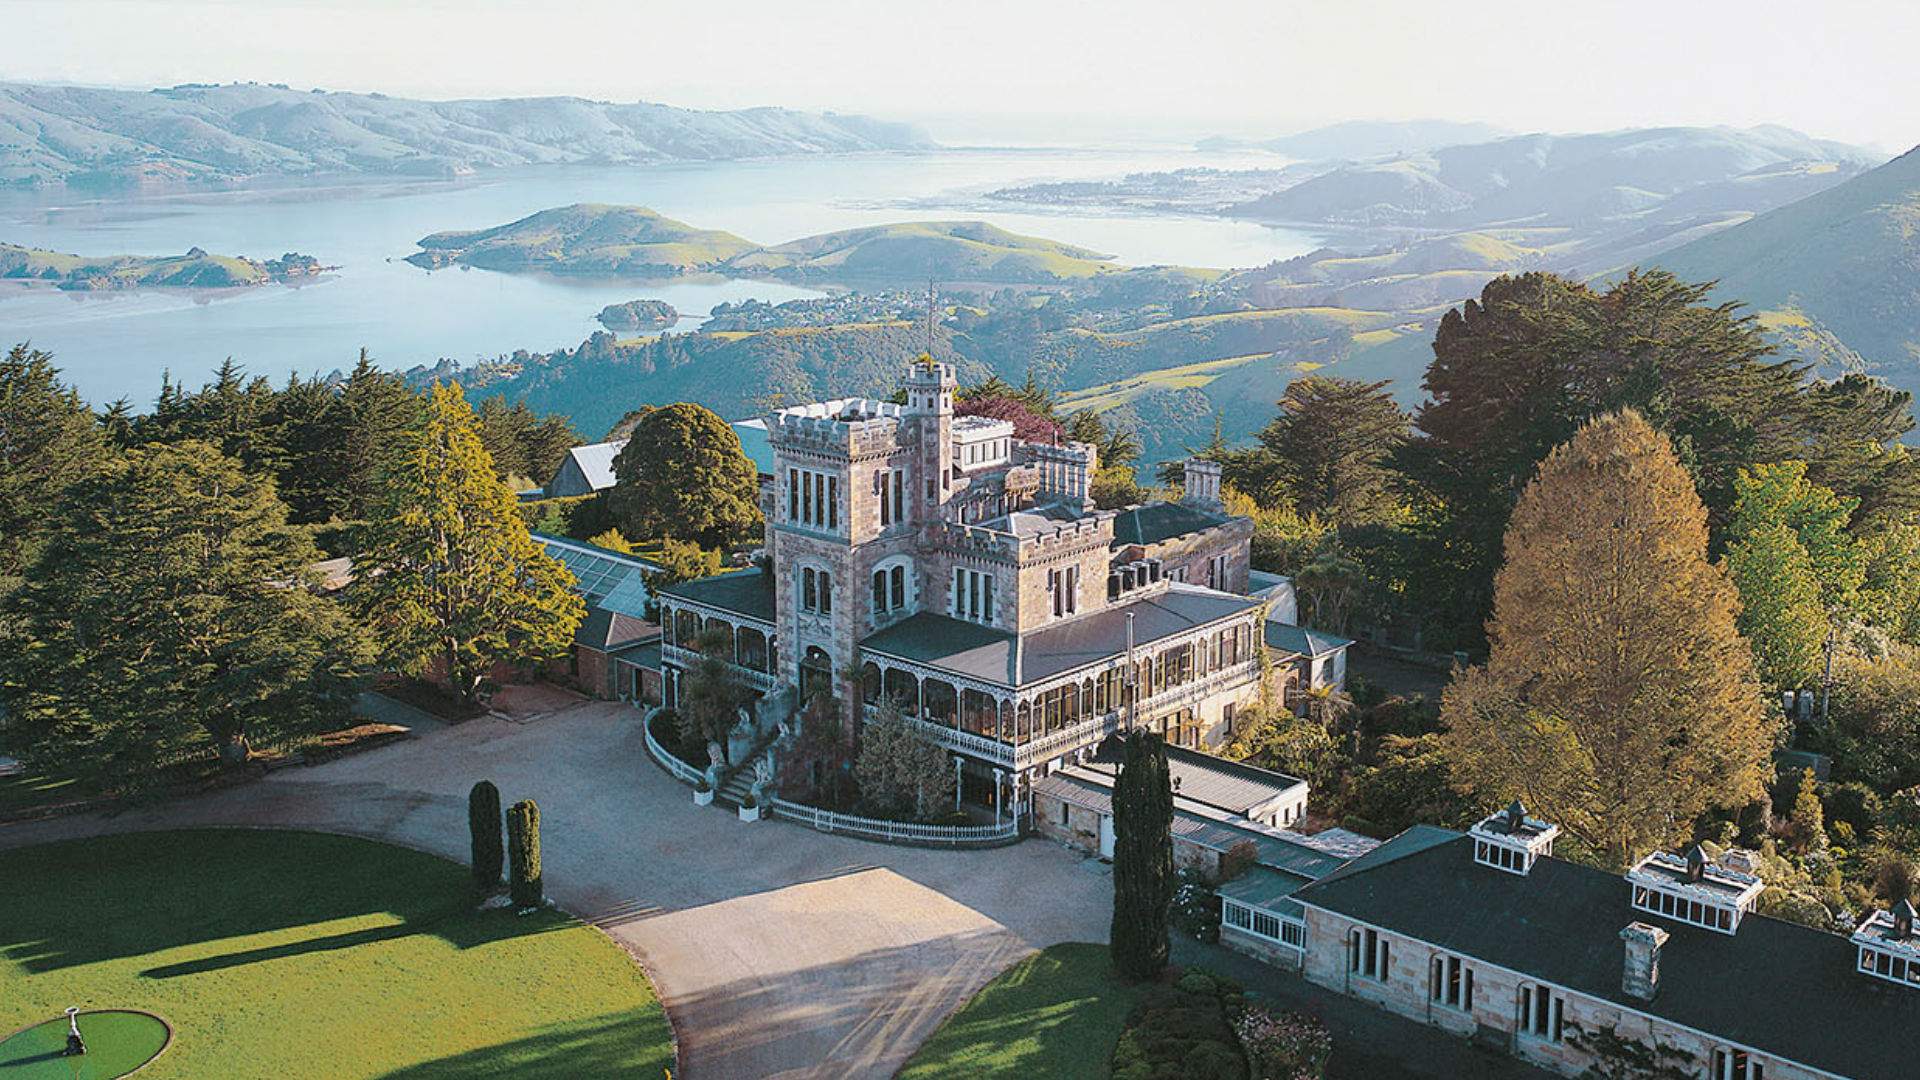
[[587, 239], [955, 251], [194, 270], [1845, 261]]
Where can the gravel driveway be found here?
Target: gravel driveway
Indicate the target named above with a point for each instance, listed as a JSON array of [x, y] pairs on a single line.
[[778, 951]]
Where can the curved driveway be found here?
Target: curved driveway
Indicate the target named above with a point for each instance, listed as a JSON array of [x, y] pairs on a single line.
[[778, 951]]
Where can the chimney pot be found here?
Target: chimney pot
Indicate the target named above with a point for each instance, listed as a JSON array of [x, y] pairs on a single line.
[[1903, 915], [1640, 973], [1696, 863]]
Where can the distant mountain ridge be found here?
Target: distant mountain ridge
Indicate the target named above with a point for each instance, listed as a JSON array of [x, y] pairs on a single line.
[[1354, 139], [55, 134]]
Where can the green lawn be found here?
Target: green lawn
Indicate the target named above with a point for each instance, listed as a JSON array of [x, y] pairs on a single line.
[[26, 790], [1055, 1014], [292, 954]]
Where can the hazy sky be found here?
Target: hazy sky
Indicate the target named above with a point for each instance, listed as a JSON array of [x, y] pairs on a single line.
[[1035, 70]]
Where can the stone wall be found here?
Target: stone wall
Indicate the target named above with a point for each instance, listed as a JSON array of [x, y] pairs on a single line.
[[1260, 948], [1233, 539]]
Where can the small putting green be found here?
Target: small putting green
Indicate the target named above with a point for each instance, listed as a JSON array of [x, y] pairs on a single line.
[[118, 1041], [292, 954]]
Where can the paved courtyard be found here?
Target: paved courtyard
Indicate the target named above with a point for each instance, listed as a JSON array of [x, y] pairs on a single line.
[[778, 951]]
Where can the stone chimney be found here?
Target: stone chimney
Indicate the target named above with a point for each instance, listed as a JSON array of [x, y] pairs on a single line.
[[1640, 975], [1202, 485]]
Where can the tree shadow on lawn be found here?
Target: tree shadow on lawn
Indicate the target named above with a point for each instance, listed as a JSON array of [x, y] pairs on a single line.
[[115, 897], [624, 1045]]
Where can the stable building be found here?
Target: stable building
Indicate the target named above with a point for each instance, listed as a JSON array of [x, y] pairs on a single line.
[[1487, 934]]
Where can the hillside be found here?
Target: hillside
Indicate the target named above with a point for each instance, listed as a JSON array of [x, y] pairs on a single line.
[[597, 239], [196, 269], [54, 134], [954, 251], [734, 373], [588, 239], [1573, 179], [1845, 261]]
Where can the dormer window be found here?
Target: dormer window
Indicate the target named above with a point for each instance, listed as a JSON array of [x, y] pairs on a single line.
[[1888, 948], [1509, 840], [1692, 890]]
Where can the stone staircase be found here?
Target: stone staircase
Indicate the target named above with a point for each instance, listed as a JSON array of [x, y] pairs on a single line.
[[735, 790]]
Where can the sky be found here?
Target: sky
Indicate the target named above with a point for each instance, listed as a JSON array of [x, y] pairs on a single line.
[[1043, 71]]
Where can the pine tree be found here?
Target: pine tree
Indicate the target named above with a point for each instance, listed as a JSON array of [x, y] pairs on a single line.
[[1326, 451], [450, 579], [1619, 699], [172, 610], [1143, 879], [1807, 825], [525, 883], [483, 826], [47, 440]]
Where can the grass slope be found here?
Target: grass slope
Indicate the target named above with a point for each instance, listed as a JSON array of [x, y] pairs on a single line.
[[1056, 1014], [586, 238], [195, 269], [301, 955], [967, 251], [1847, 258]]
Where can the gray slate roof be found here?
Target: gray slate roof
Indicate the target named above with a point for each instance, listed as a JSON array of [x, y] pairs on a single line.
[[1304, 642], [743, 592], [990, 655], [605, 630], [1154, 522], [595, 462], [1232, 786], [1781, 988]]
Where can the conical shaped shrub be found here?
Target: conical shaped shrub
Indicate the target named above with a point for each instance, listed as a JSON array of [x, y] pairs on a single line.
[[523, 853], [483, 821]]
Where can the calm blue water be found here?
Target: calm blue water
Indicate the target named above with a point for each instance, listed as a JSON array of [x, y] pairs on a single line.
[[116, 344]]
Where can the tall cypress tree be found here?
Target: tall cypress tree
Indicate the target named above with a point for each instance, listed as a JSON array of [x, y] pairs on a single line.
[[1142, 858], [483, 822], [523, 850]]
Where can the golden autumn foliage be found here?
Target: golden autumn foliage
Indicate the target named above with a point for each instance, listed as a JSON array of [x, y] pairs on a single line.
[[1618, 698]]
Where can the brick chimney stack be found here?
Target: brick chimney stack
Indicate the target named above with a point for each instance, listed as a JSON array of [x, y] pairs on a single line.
[[1202, 485], [1640, 977]]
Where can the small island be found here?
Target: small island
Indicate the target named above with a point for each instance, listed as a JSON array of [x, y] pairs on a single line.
[[194, 270], [641, 315]]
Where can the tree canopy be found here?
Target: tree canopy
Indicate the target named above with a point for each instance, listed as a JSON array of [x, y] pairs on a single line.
[[1618, 699], [1327, 450], [450, 578], [47, 440], [171, 609], [683, 476], [1517, 371]]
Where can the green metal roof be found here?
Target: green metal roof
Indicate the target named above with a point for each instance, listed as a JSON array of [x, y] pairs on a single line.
[[744, 592]]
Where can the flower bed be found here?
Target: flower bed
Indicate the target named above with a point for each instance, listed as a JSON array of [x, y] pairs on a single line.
[[1288, 1046]]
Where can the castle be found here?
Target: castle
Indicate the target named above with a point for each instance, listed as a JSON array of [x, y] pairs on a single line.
[[964, 575]]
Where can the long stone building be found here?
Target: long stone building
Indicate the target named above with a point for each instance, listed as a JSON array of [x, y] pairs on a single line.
[[1487, 934], [945, 565]]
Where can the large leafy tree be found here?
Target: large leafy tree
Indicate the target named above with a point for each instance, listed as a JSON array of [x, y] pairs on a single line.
[[1517, 371], [900, 770], [1618, 699], [450, 578], [1797, 567], [170, 611], [683, 475], [1327, 450], [1143, 878], [47, 439]]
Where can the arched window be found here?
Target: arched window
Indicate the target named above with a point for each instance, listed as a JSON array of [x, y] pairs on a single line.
[[978, 713], [1006, 721], [943, 704], [816, 672], [686, 629], [752, 647], [870, 683], [904, 691], [1023, 723], [879, 591], [826, 593]]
